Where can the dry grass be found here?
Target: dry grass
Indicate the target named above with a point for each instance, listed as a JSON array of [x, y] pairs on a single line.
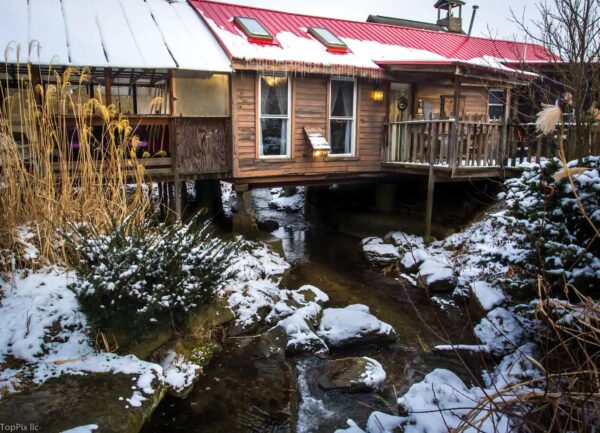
[[566, 396], [46, 183]]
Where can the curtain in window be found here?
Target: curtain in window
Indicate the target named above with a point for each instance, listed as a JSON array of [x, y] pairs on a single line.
[[348, 98], [282, 95]]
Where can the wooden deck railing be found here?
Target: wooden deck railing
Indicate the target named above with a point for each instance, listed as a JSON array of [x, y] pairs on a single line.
[[526, 145], [469, 142], [474, 142]]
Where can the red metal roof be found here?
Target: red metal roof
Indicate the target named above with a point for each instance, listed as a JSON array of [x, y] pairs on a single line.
[[449, 45]]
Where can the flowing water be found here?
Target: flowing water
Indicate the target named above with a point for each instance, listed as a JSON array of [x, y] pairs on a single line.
[[247, 390]]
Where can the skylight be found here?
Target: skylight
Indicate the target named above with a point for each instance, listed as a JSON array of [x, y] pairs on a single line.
[[253, 28], [327, 38]]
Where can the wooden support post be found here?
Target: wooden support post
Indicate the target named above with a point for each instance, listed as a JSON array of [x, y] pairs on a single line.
[[178, 213], [505, 129], [453, 152], [429, 208], [107, 87]]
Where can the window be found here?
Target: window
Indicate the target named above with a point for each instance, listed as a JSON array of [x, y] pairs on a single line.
[[205, 97], [496, 104], [327, 38], [342, 116], [274, 102], [253, 28]]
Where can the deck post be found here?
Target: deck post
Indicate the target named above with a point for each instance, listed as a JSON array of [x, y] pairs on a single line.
[[177, 185], [505, 130], [453, 151], [429, 206]]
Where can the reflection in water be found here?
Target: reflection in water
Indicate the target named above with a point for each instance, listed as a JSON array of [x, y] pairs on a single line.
[[247, 391]]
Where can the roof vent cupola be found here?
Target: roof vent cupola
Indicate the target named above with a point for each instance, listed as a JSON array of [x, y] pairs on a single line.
[[452, 9]]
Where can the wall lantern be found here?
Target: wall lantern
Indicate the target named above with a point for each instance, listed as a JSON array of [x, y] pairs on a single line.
[[377, 95]]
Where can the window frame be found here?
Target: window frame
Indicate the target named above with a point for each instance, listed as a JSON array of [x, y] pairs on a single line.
[[260, 117], [495, 104], [313, 31], [330, 117], [251, 35]]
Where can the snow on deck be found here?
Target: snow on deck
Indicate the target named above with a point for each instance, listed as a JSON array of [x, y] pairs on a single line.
[[156, 34]]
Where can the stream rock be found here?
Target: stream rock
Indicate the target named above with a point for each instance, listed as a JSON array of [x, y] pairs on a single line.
[[183, 361], [353, 375], [436, 276], [211, 316], [296, 334], [412, 260], [353, 325], [268, 225], [70, 401], [141, 346], [378, 253]]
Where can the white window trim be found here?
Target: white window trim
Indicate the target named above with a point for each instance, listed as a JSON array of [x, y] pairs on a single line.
[[503, 105], [288, 117], [354, 115]]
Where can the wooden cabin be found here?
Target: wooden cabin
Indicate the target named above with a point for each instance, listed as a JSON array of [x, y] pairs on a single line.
[[261, 97], [323, 100]]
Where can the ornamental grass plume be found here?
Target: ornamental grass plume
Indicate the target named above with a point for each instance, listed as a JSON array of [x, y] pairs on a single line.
[[548, 118]]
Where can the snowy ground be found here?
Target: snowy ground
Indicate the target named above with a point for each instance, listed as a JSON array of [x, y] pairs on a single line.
[[44, 334]]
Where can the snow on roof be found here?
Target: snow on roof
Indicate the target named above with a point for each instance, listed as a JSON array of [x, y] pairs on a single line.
[[368, 43], [154, 34]]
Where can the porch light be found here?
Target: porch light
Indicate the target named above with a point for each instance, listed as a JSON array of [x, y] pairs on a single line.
[[377, 95]]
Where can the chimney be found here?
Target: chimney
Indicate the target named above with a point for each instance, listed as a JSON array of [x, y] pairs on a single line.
[[450, 14]]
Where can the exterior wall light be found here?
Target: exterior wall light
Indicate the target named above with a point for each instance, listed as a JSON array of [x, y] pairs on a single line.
[[377, 95], [320, 153]]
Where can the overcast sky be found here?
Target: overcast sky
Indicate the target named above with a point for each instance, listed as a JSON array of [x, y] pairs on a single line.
[[492, 13]]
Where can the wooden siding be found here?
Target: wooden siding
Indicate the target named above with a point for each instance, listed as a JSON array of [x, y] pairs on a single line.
[[476, 98], [309, 109], [203, 145]]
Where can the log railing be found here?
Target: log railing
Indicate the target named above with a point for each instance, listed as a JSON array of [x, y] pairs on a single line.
[[469, 142]]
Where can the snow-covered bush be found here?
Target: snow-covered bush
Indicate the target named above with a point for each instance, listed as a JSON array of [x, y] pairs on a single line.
[[550, 219], [147, 274]]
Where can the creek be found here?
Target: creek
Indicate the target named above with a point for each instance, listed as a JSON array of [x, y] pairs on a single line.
[[248, 390]]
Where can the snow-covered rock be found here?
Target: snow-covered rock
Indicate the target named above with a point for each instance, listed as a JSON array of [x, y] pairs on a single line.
[[439, 402], [353, 375], [353, 325], [411, 260], [500, 331], [380, 422], [70, 402], [437, 276], [296, 334], [182, 361], [517, 367], [486, 295], [378, 253], [352, 428], [292, 203]]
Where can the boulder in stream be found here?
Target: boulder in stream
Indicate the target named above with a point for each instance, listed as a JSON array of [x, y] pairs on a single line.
[[353, 325], [353, 375], [102, 399], [296, 335], [436, 276], [268, 225], [183, 361], [378, 253]]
